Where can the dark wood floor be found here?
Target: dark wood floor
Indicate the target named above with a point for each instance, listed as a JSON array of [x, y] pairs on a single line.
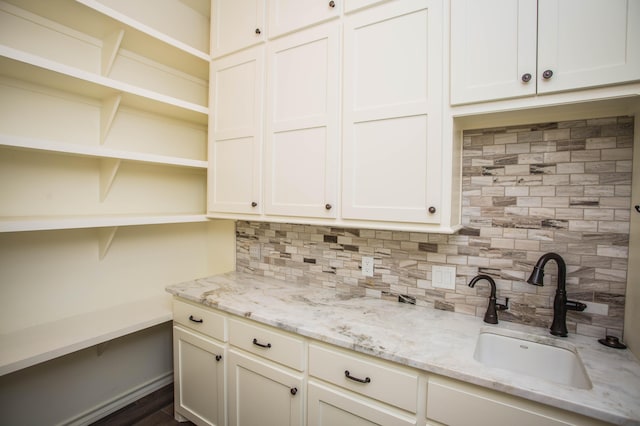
[[155, 409]]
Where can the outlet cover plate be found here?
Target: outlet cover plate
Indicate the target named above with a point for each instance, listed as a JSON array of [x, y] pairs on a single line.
[[254, 251], [443, 277], [367, 266]]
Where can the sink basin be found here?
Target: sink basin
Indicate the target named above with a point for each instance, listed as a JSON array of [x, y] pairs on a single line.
[[535, 356]]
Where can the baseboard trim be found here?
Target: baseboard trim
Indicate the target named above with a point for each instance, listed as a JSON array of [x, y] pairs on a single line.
[[120, 401]]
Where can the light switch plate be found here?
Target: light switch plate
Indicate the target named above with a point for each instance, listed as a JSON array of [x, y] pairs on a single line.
[[443, 277], [367, 266]]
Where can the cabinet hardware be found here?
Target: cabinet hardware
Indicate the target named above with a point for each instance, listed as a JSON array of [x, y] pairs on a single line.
[[328, 206], [254, 204], [547, 74], [194, 319], [258, 31], [294, 391], [355, 379], [526, 77], [267, 346], [332, 3], [432, 210], [218, 357], [637, 207]]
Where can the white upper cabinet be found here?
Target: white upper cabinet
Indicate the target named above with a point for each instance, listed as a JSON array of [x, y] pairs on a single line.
[[235, 133], [236, 24], [289, 15], [302, 134], [505, 49], [587, 43], [391, 140]]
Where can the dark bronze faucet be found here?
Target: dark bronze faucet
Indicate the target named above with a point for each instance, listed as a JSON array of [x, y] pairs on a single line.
[[560, 302], [491, 316]]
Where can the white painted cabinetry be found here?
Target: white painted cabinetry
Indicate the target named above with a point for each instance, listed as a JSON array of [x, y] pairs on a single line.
[[236, 25], [235, 133], [505, 49], [290, 15], [392, 141], [302, 117]]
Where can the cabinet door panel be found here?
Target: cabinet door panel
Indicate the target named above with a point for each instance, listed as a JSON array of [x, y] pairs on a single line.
[[236, 24], [302, 124], [588, 43], [329, 407], [289, 15], [261, 393], [391, 143], [235, 133], [493, 44], [199, 377]]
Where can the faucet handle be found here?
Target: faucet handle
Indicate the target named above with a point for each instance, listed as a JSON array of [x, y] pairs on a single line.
[[501, 307], [572, 305]]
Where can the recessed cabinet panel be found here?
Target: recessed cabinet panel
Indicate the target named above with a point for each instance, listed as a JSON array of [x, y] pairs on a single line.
[[289, 15], [235, 145], [391, 141], [302, 124], [588, 43], [236, 25], [493, 49]]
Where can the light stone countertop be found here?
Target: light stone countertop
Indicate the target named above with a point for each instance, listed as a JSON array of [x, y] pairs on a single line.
[[431, 340]]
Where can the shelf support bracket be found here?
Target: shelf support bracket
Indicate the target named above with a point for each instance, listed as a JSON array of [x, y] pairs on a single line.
[[105, 238], [110, 46], [108, 171], [108, 112]]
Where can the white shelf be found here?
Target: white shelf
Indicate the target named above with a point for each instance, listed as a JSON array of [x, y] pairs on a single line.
[[96, 20], [31, 346], [37, 70], [82, 222], [97, 151]]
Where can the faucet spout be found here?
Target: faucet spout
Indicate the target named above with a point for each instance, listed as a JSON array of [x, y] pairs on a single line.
[[491, 316], [560, 302]]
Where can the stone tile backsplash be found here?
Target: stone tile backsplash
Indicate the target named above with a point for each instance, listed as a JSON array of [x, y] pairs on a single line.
[[554, 187]]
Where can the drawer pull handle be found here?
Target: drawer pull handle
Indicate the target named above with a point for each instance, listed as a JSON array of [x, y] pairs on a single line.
[[355, 379], [192, 318], [218, 357], [267, 346]]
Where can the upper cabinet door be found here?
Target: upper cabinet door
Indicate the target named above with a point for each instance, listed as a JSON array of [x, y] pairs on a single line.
[[302, 134], [236, 24], [392, 159], [587, 43], [235, 133], [289, 15], [493, 49]]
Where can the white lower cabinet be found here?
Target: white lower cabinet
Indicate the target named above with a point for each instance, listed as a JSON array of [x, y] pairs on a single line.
[[199, 383], [329, 406]]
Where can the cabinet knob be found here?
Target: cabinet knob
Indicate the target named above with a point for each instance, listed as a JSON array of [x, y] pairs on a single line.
[[328, 206], [547, 74], [526, 77], [258, 31], [293, 391], [218, 358], [432, 210], [254, 204], [332, 3]]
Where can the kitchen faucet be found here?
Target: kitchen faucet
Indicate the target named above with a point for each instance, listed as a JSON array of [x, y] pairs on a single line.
[[560, 302], [491, 316]]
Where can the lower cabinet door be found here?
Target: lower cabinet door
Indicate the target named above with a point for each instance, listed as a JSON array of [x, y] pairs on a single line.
[[198, 365], [328, 406], [263, 393]]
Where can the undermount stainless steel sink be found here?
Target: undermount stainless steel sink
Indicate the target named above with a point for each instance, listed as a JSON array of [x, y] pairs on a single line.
[[536, 356]]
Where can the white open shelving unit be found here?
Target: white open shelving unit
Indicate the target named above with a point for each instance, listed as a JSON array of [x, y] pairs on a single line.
[[93, 91]]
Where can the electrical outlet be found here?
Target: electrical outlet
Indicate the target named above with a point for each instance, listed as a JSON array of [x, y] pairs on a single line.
[[367, 266], [254, 251], [443, 277]]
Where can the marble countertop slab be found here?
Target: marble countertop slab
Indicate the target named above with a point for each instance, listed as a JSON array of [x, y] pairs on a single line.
[[431, 340]]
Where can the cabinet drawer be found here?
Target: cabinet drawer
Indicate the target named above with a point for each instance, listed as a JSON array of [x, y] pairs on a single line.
[[373, 379], [200, 319], [267, 343]]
